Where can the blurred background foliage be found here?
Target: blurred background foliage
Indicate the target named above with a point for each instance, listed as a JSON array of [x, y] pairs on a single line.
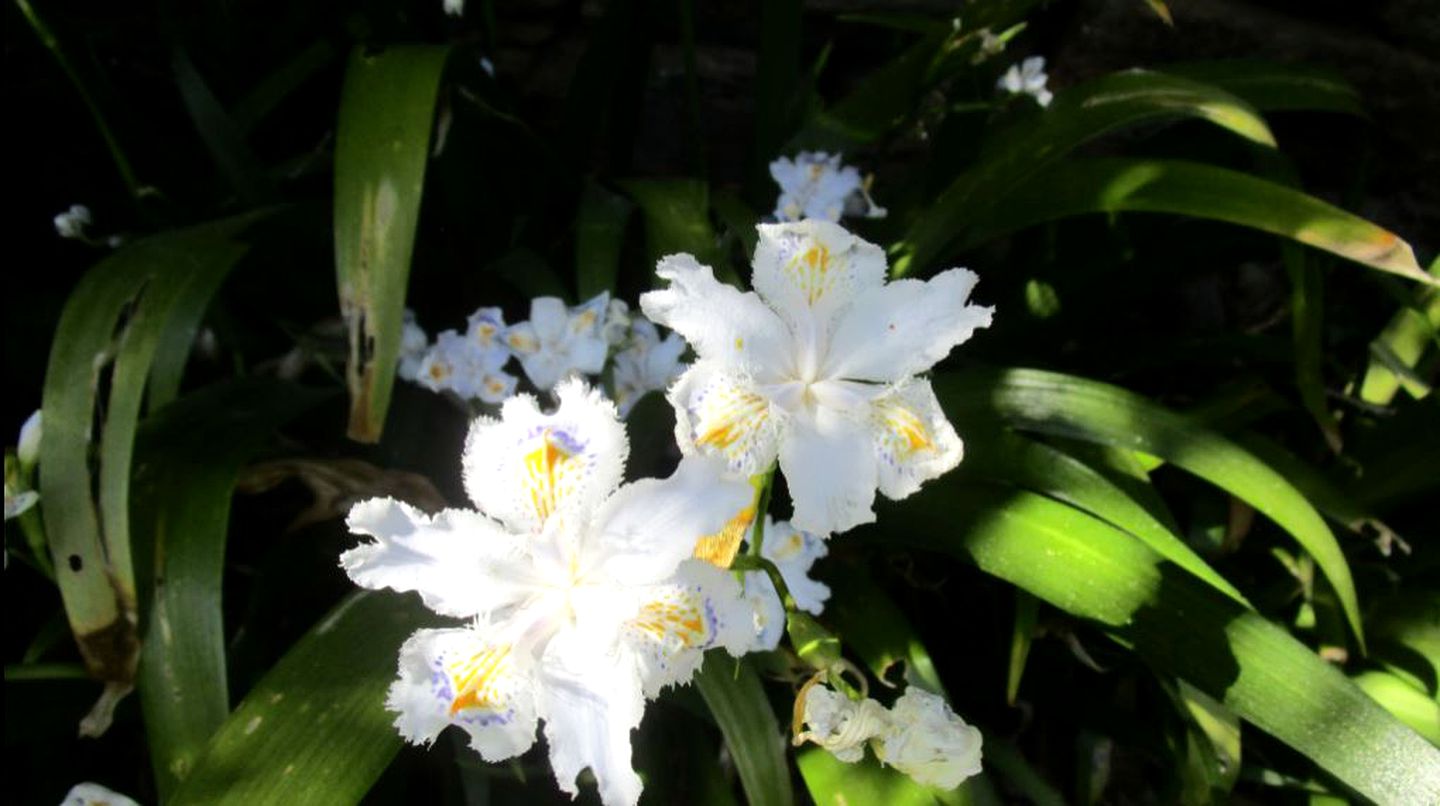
[[1191, 555]]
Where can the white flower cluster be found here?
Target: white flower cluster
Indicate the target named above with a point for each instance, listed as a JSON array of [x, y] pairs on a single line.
[[582, 598], [919, 735], [817, 185], [90, 794], [1027, 78], [556, 343]]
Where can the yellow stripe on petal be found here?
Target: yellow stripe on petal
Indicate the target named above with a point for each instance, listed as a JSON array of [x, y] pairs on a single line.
[[676, 622], [548, 471], [809, 270], [477, 679], [720, 548], [904, 433]]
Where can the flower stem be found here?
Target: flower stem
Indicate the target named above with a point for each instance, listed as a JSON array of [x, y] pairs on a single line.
[[762, 482]]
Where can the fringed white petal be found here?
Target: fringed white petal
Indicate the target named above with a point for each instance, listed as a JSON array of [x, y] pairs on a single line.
[[529, 465], [914, 442]]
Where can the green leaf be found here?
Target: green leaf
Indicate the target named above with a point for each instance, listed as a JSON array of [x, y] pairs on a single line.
[[739, 219], [880, 102], [1077, 116], [777, 84], [1413, 707], [832, 782], [382, 144], [599, 239], [1400, 345], [736, 699], [113, 325], [315, 728], [1000, 454], [677, 219], [1273, 87], [188, 459], [1027, 611], [1067, 406], [878, 632], [1214, 736], [1176, 622], [237, 163], [1200, 191]]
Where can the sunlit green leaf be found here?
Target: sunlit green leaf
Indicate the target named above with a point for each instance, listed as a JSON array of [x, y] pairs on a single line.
[[1201, 191], [1250, 665], [1078, 408], [1078, 115], [677, 219], [315, 728], [1273, 87], [382, 144]]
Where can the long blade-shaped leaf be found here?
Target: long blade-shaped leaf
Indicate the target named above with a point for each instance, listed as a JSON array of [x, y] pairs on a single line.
[[315, 728], [109, 334], [677, 219], [1077, 116], [188, 459], [1034, 465], [1200, 191], [386, 109], [736, 699], [599, 238], [1090, 569], [1074, 407], [1273, 87]]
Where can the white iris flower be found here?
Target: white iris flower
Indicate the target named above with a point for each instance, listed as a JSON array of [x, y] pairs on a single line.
[[88, 794], [817, 185], [583, 596], [1027, 78], [929, 742], [457, 363], [647, 364], [839, 724], [919, 735], [558, 342], [817, 369]]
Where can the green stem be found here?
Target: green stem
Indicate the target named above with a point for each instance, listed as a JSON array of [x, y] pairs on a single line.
[[127, 174], [763, 482]]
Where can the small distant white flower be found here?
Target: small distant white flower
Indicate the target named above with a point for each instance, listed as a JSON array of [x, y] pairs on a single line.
[[816, 185], [582, 596], [414, 343], [28, 448], [1027, 78], [485, 63], [18, 502], [818, 369], [929, 742], [456, 363], [88, 794], [73, 222], [839, 724], [558, 342], [455, 8], [647, 365], [793, 552], [617, 323]]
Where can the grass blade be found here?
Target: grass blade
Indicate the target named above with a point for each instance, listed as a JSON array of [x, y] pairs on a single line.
[[386, 109], [315, 728], [736, 699]]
